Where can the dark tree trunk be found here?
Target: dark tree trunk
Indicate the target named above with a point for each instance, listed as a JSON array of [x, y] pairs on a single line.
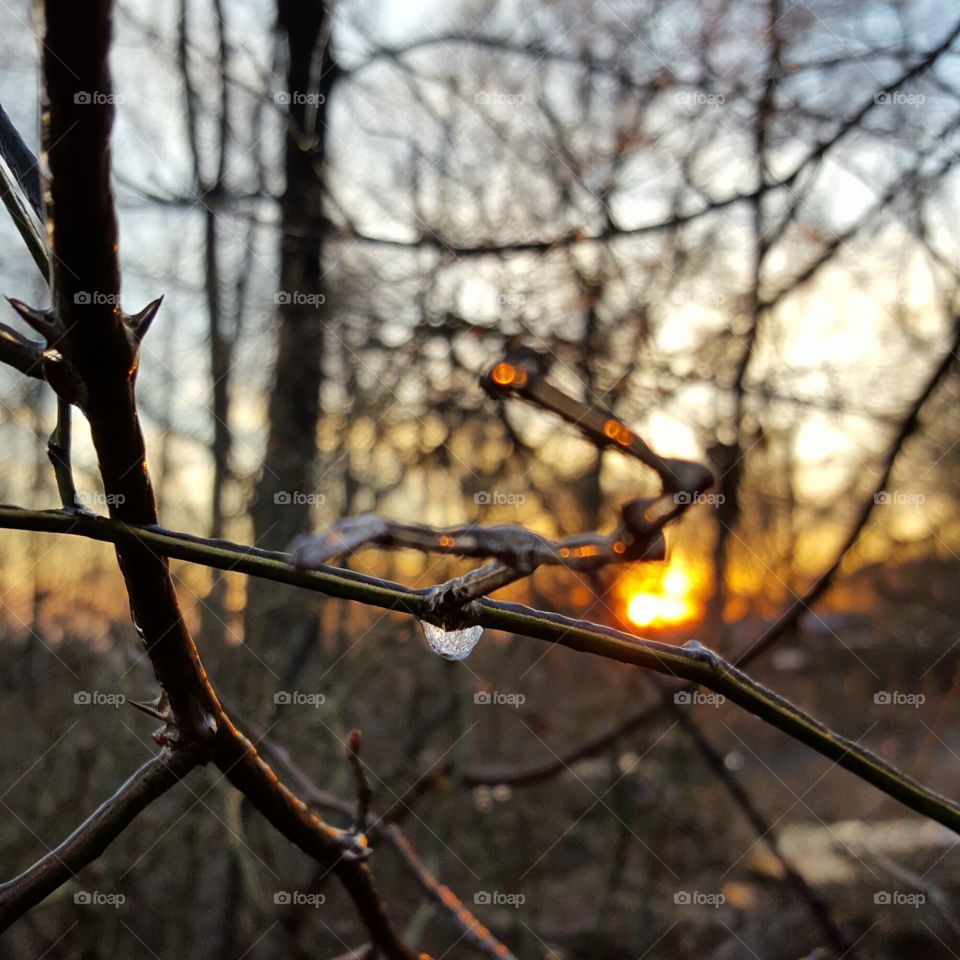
[[294, 409]]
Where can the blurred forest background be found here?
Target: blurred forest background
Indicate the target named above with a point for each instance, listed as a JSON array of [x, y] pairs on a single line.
[[732, 222]]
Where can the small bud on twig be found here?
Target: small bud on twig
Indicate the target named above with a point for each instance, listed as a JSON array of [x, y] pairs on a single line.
[[364, 793]]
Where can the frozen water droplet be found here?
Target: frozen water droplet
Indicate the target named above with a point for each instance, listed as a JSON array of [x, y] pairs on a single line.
[[451, 644]]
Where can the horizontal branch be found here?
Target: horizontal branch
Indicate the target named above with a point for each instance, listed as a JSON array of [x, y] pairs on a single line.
[[691, 662], [94, 835]]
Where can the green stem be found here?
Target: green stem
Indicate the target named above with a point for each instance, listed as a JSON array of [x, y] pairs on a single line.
[[691, 662]]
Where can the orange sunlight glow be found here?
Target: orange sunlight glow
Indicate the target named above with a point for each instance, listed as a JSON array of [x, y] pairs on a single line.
[[661, 597]]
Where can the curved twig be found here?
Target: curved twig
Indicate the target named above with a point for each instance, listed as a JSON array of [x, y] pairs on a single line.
[[799, 607], [94, 835], [474, 931]]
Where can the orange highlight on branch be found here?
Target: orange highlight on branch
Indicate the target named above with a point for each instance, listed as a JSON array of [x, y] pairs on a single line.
[[507, 375], [614, 430]]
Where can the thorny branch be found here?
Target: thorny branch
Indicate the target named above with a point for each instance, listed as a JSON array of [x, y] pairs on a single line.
[[90, 357], [691, 662], [91, 361]]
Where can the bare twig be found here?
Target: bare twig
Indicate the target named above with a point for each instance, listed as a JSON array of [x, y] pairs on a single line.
[[764, 829], [58, 450], [908, 427], [94, 835], [518, 551], [21, 353], [364, 793], [475, 931], [20, 215], [611, 230], [91, 358], [792, 614], [477, 934], [92, 361], [21, 162], [691, 662]]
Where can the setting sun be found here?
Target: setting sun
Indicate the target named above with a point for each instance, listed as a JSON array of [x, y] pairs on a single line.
[[662, 598]]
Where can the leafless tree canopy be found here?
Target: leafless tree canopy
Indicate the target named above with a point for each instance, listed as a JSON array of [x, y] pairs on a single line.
[[606, 351]]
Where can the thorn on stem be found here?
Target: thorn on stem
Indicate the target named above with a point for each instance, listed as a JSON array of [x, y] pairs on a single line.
[[139, 323], [159, 709], [40, 320]]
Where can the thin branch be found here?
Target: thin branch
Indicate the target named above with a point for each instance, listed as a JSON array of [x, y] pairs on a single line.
[[790, 616], [764, 829], [96, 348], [611, 230], [21, 353], [364, 793], [477, 934], [21, 162], [20, 215], [517, 551], [691, 662], [908, 427], [94, 835], [15, 350], [58, 450]]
